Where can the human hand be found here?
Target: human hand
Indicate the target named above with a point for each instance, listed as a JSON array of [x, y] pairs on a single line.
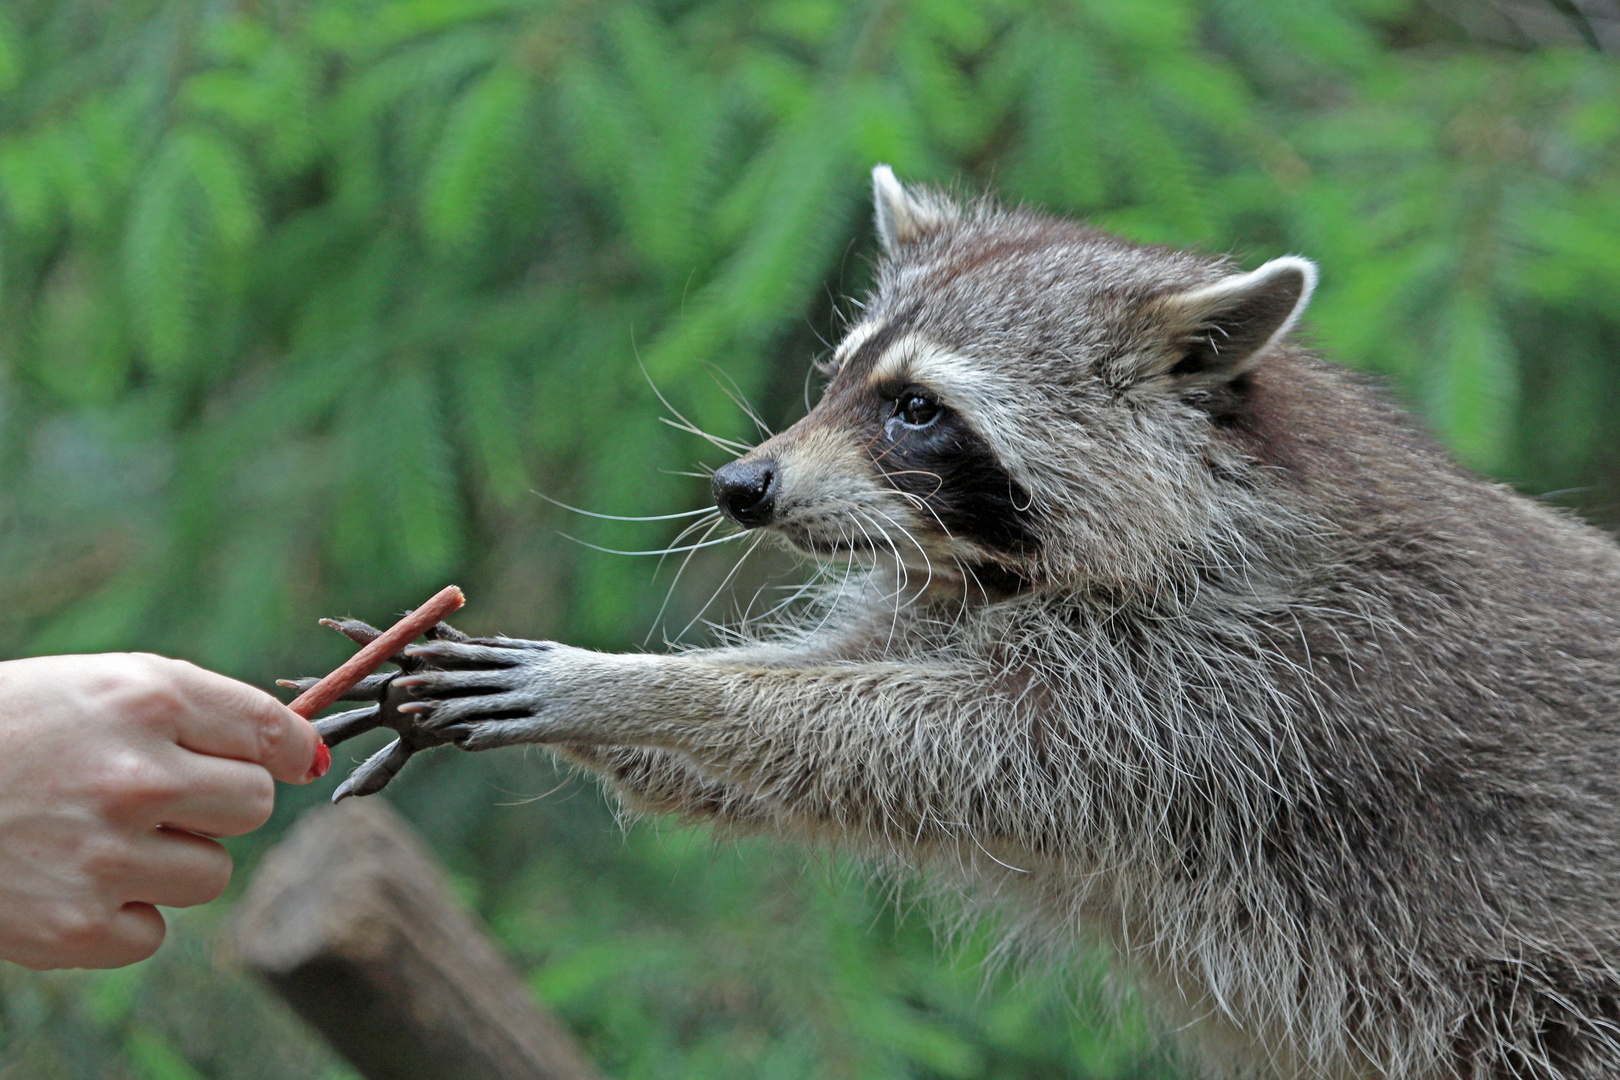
[[116, 770]]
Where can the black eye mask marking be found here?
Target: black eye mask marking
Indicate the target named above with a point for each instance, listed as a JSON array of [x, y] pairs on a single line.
[[929, 451]]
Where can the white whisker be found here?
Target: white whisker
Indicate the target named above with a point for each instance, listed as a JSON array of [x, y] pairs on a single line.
[[655, 551], [723, 443], [669, 593], [758, 537], [623, 517], [736, 395]]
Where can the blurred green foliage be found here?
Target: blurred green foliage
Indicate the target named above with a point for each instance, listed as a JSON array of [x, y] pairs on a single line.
[[301, 299]]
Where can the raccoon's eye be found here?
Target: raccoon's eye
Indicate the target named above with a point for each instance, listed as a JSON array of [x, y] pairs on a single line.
[[917, 410]]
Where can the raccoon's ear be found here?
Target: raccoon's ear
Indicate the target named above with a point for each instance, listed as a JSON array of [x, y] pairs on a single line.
[[904, 217], [1218, 331]]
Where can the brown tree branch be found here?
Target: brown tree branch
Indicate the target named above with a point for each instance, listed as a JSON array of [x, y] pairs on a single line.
[[352, 922]]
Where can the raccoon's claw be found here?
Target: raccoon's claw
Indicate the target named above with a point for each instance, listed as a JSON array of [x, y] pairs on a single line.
[[445, 632], [484, 692], [373, 774], [370, 688], [343, 726], [361, 633]]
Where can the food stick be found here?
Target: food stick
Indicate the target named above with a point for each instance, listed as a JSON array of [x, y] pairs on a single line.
[[373, 656]]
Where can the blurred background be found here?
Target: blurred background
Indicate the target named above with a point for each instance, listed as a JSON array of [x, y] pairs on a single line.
[[303, 301]]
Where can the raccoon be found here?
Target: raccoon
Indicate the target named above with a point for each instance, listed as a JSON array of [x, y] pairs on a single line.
[[1165, 633]]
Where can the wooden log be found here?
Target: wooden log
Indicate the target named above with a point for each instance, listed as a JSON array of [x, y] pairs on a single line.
[[352, 922]]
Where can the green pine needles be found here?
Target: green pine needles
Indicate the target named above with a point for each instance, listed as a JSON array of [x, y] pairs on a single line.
[[238, 246]]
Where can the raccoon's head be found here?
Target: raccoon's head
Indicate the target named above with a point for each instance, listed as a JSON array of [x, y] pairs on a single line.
[[1024, 399]]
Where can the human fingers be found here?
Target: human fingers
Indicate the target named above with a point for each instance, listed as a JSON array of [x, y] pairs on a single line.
[[226, 718], [135, 932], [169, 867], [75, 936], [217, 796]]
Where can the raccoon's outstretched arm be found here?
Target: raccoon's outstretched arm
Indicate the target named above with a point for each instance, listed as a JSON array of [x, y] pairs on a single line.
[[666, 782], [652, 780], [913, 751], [657, 781]]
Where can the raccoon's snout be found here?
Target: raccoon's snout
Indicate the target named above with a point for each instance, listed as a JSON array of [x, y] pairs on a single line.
[[745, 491]]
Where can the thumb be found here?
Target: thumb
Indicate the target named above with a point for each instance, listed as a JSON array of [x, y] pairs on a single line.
[[232, 719], [292, 749]]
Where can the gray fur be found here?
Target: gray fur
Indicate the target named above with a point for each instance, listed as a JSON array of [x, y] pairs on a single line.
[[1318, 731]]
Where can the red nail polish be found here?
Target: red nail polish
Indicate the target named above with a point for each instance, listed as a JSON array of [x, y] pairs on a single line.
[[323, 761]]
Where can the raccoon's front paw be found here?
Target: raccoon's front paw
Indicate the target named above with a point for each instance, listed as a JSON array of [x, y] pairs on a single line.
[[373, 774], [486, 692]]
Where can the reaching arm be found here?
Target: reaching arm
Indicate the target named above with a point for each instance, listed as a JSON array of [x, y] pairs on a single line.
[[667, 781], [916, 751], [651, 781]]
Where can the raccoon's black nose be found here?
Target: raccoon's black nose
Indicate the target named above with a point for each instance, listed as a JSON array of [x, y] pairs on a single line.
[[746, 491]]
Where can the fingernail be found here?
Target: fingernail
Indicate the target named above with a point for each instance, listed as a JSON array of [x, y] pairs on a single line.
[[323, 761]]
